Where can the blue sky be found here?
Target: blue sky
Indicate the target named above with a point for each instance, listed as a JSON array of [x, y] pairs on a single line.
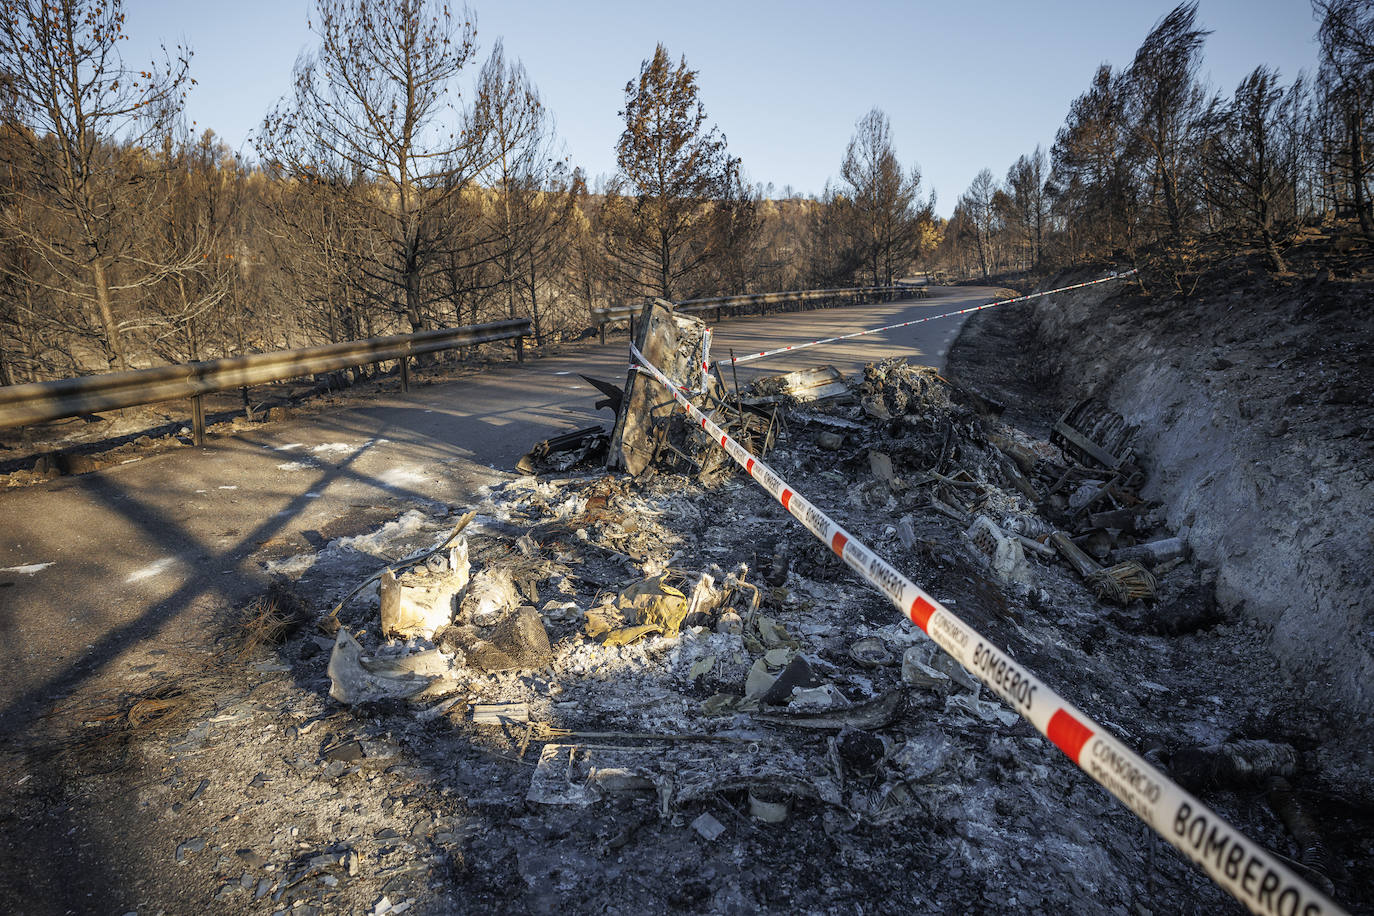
[[966, 85]]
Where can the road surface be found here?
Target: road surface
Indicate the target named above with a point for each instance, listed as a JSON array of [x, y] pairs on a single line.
[[102, 573]]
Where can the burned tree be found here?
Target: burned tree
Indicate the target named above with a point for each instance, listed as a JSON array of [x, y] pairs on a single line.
[[979, 211], [319, 252], [1346, 36], [535, 191], [181, 317], [1029, 205], [1164, 107], [887, 208], [661, 213], [1245, 155], [81, 121], [375, 111], [1090, 182], [832, 257]]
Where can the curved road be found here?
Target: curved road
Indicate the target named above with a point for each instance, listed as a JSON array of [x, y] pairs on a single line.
[[102, 573]]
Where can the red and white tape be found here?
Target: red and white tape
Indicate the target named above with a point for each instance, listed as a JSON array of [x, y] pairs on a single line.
[[1243, 868], [750, 357]]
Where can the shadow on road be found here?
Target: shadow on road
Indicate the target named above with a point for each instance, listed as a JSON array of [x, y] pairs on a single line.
[[209, 570]]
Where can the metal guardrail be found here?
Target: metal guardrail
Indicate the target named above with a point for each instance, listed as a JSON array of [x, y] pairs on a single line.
[[38, 402], [720, 304]]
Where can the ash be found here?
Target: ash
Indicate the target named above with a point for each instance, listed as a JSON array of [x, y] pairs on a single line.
[[661, 693]]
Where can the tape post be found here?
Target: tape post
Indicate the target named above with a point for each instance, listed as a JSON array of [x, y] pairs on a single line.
[[1251, 874]]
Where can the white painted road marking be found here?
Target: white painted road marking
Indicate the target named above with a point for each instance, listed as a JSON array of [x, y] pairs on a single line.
[[157, 567], [31, 569]]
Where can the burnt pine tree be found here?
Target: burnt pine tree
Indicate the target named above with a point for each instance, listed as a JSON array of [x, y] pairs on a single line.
[[978, 206], [662, 210], [535, 190], [834, 257], [1029, 206], [1245, 155], [81, 123], [1165, 104], [1346, 36], [887, 207], [375, 112], [1090, 182]]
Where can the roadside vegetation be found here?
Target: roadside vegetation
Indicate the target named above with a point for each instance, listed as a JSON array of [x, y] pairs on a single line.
[[411, 179], [1155, 169]]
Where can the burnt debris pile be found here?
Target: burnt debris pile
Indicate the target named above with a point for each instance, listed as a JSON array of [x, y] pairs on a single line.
[[667, 646]]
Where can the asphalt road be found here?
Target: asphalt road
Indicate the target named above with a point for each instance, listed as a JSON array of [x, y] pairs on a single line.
[[102, 573]]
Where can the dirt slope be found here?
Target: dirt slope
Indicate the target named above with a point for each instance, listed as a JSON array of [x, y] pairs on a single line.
[[1256, 428]]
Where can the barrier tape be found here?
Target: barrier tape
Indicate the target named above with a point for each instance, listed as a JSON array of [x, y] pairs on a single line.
[[750, 357], [1241, 867]]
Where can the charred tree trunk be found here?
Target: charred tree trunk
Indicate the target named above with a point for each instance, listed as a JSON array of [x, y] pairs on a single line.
[[6, 377], [113, 339], [1357, 167], [1271, 247]]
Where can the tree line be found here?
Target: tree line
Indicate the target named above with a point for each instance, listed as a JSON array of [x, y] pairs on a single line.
[[1149, 160], [403, 182], [406, 181]]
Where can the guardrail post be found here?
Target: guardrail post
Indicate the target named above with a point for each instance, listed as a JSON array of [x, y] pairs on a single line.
[[519, 349], [405, 373], [603, 332], [197, 421]]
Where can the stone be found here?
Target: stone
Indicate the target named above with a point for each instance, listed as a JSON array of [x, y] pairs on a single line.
[[347, 751], [906, 532], [709, 828], [1004, 554], [189, 847], [354, 680], [797, 674], [861, 751], [814, 699], [489, 596], [923, 754], [917, 670], [250, 858], [82, 464]]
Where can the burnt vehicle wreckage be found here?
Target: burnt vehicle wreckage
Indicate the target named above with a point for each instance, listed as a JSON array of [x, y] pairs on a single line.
[[650, 633]]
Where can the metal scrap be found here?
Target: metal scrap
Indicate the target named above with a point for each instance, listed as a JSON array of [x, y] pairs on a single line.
[[1093, 435], [805, 386], [564, 452]]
